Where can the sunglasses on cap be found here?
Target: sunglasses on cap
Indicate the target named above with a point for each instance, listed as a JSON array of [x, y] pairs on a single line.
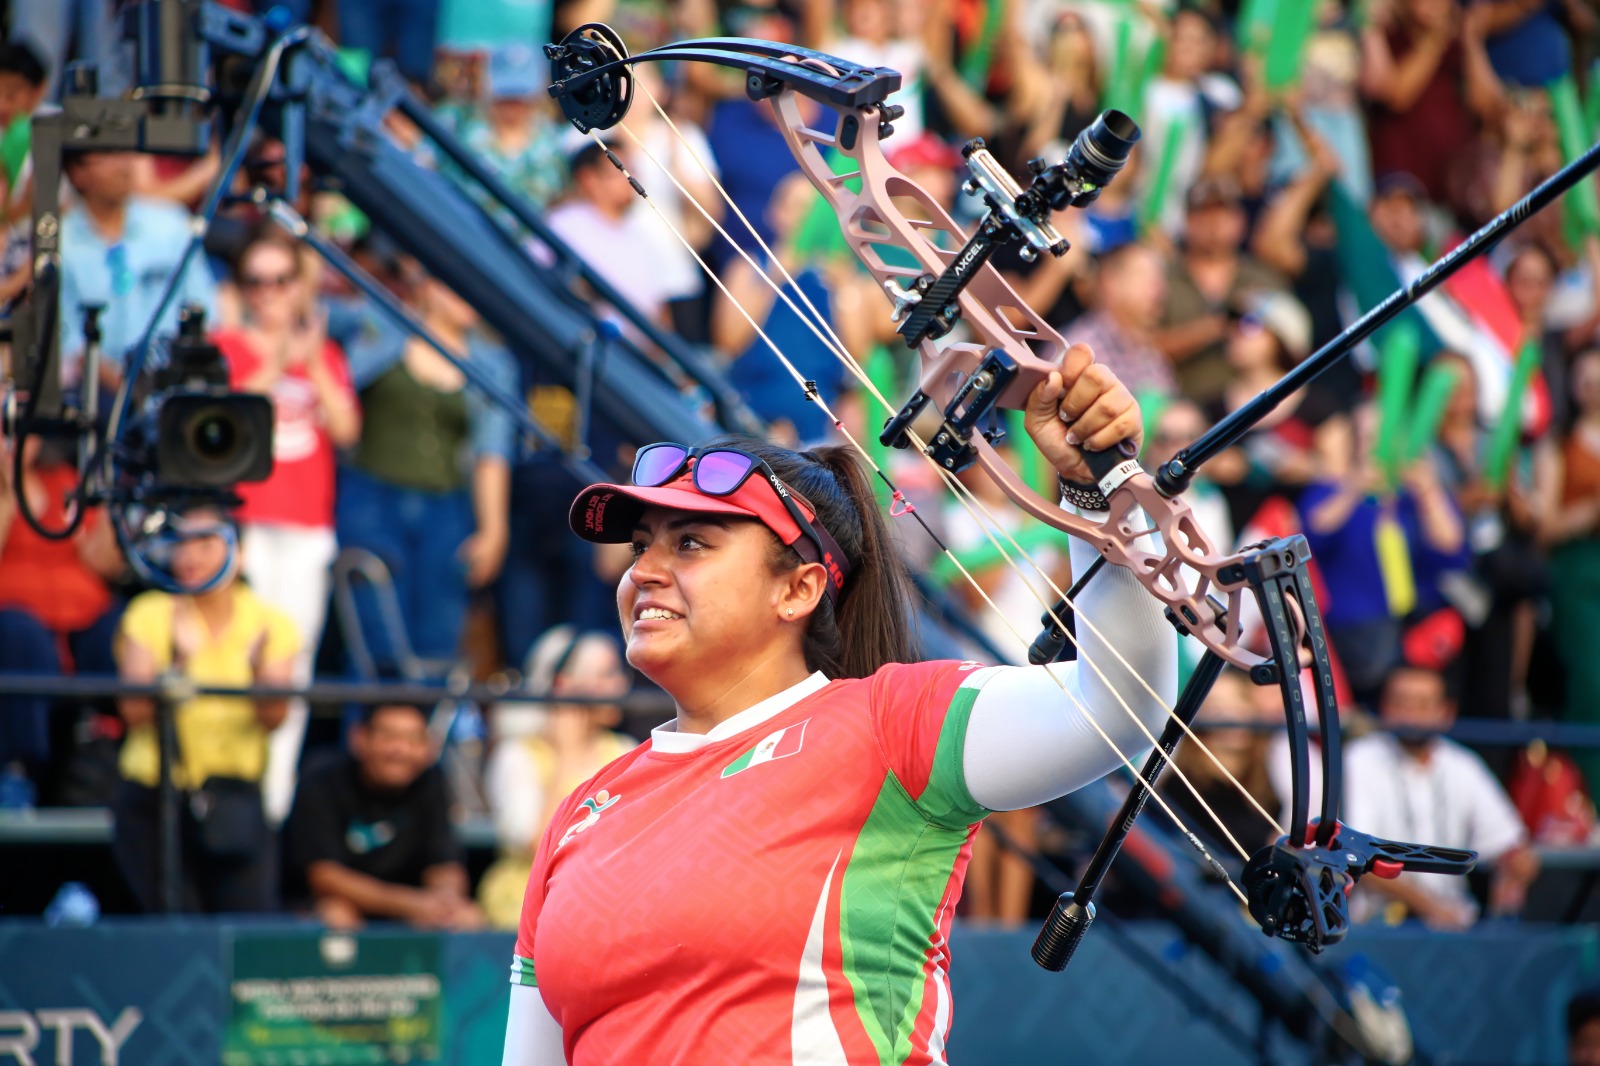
[[721, 472]]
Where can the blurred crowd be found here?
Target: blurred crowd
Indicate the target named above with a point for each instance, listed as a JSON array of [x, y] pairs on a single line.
[[1296, 167]]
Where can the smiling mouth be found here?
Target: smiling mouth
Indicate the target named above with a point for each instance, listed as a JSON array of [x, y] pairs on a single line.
[[658, 614]]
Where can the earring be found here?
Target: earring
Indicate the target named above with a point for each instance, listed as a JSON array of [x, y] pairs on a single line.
[[791, 612]]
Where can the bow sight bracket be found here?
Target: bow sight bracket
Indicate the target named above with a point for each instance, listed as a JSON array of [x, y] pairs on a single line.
[[950, 444], [1017, 215]]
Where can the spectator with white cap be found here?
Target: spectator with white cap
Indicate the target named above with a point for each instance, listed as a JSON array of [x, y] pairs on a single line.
[[1268, 334]]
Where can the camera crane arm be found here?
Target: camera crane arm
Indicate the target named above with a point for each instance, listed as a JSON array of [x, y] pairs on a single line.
[[293, 89]]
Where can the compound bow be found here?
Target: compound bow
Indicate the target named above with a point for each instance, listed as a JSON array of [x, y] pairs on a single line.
[[1296, 888]]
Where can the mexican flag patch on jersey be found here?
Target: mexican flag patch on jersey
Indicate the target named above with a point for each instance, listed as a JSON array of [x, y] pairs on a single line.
[[773, 746]]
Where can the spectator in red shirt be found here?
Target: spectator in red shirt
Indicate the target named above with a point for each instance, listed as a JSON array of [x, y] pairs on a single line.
[[281, 349], [1428, 82], [57, 614]]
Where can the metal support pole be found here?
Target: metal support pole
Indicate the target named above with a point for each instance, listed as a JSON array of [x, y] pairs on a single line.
[[169, 836]]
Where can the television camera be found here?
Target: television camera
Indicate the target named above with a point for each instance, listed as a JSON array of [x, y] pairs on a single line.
[[179, 437]]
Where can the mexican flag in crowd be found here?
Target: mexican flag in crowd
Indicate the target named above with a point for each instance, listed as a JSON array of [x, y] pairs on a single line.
[[1470, 314]]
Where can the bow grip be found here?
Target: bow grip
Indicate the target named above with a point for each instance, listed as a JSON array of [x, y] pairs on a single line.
[[1113, 466]]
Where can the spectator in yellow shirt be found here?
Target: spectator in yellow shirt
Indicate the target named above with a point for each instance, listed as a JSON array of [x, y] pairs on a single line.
[[225, 636]]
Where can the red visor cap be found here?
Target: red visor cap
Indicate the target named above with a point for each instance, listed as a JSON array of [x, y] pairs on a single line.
[[608, 514]]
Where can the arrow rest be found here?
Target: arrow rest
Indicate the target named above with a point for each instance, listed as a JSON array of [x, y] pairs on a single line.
[[950, 444]]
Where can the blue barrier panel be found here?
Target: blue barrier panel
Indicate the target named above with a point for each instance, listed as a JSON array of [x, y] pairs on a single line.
[[155, 993], [165, 979]]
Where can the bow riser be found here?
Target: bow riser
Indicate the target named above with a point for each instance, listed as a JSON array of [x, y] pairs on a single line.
[[872, 218], [1184, 579]]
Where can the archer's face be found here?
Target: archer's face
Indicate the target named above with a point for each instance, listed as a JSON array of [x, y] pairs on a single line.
[[700, 598]]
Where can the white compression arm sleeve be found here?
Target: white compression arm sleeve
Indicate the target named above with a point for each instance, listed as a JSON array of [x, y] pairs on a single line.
[[1028, 742], [532, 1036]]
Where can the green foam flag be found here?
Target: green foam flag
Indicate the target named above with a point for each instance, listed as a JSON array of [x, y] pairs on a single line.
[[1291, 29], [1256, 21], [354, 63], [1153, 403], [1155, 198], [981, 556], [1591, 102], [1127, 80], [1366, 270], [1039, 475], [1505, 434], [1397, 370], [979, 58], [1433, 396], [1116, 89], [1583, 212], [1154, 57], [819, 237]]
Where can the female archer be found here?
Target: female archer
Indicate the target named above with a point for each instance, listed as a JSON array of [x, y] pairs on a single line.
[[771, 878]]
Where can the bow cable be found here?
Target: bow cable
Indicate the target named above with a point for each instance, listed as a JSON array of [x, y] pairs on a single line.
[[961, 491], [837, 347], [811, 392], [839, 425]]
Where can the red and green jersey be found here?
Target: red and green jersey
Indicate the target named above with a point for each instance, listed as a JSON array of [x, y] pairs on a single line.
[[780, 895]]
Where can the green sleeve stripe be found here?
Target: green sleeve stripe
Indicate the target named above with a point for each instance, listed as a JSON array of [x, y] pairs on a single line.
[[522, 972], [946, 802]]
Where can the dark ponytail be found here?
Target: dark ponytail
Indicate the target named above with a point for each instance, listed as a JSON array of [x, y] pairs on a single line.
[[874, 623]]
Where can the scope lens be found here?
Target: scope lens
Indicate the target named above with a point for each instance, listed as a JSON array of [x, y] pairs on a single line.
[[1102, 150], [1097, 155], [1120, 125], [214, 436]]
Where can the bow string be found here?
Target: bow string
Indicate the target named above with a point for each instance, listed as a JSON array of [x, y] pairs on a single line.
[[988, 523]]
